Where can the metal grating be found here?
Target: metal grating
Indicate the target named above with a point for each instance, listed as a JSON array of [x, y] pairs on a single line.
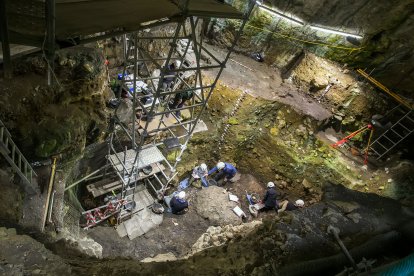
[[146, 157]]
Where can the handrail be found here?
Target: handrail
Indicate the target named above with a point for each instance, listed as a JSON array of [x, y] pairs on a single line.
[[385, 89]]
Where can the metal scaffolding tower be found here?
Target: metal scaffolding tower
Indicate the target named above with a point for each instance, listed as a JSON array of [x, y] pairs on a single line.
[[153, 83]]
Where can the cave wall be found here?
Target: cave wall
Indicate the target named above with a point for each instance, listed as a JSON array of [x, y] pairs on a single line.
[[60, 119], [386, 27]]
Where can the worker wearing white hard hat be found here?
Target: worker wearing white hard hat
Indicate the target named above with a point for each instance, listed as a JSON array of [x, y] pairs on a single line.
[[199, 173], [269, 200], [223, 170], [289, 206], [179, 204]]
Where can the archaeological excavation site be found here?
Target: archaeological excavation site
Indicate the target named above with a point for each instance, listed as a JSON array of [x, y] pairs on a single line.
[[207, 137]]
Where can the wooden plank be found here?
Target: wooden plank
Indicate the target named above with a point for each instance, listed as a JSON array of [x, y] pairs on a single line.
[[101, 187]]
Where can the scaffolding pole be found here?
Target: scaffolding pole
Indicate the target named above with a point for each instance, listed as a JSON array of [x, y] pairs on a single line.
[[186, 47]]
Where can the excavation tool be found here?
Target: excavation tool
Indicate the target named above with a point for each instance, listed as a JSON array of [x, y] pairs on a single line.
[[49, 191], [335, 233], [328, 87], [344, 140]]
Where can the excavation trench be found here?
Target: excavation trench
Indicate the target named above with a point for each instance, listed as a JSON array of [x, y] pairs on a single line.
[[267, 137]]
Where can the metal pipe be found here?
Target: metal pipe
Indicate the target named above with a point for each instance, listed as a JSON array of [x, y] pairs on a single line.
[[334, 232], [50, 37], [84, 178], [163, 37], [158, 92], [246, 16], [49, 191], [182, 57], [52, 199], [134, 90]]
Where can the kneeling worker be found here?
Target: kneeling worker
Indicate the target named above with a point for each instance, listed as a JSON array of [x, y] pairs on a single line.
[[269, 199], [178, 204], [224, 170], [199, 173]]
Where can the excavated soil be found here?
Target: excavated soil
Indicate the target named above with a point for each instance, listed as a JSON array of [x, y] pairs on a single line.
[[267, 141], [271, 137]]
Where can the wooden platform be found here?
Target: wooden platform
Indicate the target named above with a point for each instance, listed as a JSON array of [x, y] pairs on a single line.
[[169, 121], [103, 187]]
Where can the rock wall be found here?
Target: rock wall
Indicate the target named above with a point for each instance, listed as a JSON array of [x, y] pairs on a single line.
[[386, 27], [60, 119], [300, 238]]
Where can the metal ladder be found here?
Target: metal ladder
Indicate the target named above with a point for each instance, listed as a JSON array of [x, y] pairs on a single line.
[[394, 135], [15, 158]]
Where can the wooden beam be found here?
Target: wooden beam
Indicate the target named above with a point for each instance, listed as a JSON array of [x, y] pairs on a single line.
[[5, 43]]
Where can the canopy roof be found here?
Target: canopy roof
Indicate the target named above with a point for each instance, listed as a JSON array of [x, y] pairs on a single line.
[[75, 18]]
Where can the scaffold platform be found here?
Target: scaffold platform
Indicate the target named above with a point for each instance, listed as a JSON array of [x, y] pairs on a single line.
[[104, 186], [124, 161]]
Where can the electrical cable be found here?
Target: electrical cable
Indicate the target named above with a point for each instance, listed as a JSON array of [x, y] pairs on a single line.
[[351, 49]]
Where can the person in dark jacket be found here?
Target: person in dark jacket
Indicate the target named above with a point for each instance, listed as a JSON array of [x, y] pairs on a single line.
[[225, 170], [178, 204], [170, 77], [179, 101], [269, 200]]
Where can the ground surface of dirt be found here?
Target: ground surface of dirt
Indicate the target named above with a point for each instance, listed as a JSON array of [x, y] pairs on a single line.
[[260, 80], [176, 234]]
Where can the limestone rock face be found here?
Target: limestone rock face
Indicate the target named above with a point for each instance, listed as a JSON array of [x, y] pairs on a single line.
[[385, 26], [85, 246], [216, 236], [213, 204], [22, 255], [61, 119], [161, 258]]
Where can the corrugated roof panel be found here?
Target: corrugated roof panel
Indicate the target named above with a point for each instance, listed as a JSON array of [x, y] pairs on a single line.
[[89, 17]]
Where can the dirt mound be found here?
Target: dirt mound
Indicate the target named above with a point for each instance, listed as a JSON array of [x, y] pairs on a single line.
[[213, 204]]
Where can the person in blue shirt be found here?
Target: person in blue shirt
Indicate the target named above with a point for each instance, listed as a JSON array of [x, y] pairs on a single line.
[[224, 170]]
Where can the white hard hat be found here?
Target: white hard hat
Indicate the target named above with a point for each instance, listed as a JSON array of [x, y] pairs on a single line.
[[299, 203], [270, 184], [177, 63], [203, 166], [220, 165], [181, 195]]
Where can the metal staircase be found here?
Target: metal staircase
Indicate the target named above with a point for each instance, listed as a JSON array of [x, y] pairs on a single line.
[[15, 158], [394, 135]]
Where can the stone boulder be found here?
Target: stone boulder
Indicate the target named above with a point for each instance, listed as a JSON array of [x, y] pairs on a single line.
[[213, 204], [166, 257], [217, 236]]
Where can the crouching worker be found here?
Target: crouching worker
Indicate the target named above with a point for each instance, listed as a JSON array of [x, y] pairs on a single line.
[[199, 173], [178, 204], [269, 200], [224, 170], [286, 205]]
